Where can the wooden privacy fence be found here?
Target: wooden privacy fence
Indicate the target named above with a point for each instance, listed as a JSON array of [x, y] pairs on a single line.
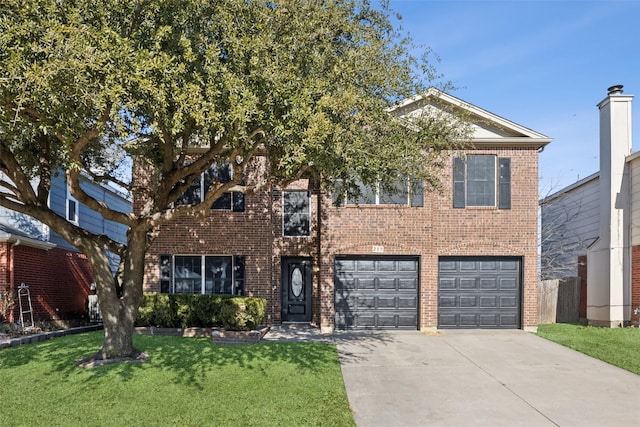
[[559, 300]]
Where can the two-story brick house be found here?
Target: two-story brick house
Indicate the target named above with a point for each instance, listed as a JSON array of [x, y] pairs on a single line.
[[463, 257]]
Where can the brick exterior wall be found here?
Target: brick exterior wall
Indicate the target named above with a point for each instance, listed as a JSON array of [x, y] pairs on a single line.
[[428, 232], [59, 280]]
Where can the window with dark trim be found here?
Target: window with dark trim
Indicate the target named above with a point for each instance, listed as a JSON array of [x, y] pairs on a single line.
[[482, 180], [403, 193], [231, 201], [202, 274], [296, 213]]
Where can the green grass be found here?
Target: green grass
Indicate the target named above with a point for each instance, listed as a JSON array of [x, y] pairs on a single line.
[[185, 382], [619, 347]]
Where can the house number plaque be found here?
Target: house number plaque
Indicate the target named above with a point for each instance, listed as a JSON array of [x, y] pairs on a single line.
[[377, 249]]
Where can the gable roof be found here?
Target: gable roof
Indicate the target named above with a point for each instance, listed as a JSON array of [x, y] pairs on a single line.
[[488, 128]]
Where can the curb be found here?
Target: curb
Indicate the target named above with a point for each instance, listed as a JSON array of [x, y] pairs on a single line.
[[31, 339]]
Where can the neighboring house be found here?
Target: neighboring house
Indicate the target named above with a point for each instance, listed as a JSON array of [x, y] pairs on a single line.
[[591, 229], [58, 276], [465, 257]]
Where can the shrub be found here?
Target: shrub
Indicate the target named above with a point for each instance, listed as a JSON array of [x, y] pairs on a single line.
[[242, 314], [157, 310], [185, 310]]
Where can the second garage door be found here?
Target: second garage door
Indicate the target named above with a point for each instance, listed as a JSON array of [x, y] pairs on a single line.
[[376, 292], [479, 292]]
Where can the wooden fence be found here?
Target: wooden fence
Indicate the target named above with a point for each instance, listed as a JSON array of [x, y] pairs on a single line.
[[559, 300]]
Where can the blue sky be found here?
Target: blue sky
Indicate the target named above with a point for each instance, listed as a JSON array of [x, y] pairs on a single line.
[[542, 64]]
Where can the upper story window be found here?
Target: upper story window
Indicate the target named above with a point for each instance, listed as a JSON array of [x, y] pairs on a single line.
[[482, 180], [72, 209], [296, 213], [404, 193], [232, 201]]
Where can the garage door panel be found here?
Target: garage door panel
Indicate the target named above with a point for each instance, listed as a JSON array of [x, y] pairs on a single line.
[[408, 302], [411, 266], [468, 266], [448, 266], [348, 283], [388, 301], [489, 320], [447, 283], [510, 266], [467, 301], [386, 284], [468, 283], [385, 294], [508, 302], [509, 284], [494, 300], [366, 283], [447, 301], [468, 320], [489, 283], [387, 266], [488, 266], [363, 265], [488, 302]]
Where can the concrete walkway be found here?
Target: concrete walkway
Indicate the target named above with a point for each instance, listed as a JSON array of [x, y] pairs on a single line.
[[481, 378]]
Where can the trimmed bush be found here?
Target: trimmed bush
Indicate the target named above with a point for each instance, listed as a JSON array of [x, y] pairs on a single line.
[[185, 310], [242, 313]]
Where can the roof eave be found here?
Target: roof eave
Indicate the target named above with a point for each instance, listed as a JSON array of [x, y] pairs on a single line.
[[26, 241]]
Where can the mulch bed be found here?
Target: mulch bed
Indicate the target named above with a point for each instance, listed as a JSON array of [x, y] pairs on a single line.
[[218, 335]]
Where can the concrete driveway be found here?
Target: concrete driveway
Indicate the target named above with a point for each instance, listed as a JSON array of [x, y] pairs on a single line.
[[481, 378]]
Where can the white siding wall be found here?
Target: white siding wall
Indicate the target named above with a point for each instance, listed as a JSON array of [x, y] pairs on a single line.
[[635, 201], [22, 222], [570, 222]]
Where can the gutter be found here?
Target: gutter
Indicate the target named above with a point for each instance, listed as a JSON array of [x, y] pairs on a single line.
[[25, 241]]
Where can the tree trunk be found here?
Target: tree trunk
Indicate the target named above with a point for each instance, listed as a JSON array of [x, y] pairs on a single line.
[[119, 297]]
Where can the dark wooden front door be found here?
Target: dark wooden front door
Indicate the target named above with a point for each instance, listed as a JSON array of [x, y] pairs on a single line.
[[296, 290]]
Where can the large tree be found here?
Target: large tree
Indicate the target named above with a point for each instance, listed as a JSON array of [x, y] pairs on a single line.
[[179, 85]]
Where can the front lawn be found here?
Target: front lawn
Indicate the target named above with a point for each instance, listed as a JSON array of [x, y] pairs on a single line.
[[185, 382], [619, 347]]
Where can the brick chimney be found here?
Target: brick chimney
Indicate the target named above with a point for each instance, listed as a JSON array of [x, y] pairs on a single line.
[[608, 265]]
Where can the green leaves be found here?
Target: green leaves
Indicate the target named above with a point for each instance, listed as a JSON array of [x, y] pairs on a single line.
[[309, 82]]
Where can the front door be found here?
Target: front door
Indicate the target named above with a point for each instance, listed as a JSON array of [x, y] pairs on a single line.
[[296, 290]]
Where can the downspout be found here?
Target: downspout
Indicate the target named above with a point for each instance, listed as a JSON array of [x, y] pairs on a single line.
[[318, 265], [11, 257]]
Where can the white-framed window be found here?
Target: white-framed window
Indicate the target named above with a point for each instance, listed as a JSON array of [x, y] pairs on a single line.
[[482, 180], [231, 201], [296, 214], [72, 209], [202, 274]]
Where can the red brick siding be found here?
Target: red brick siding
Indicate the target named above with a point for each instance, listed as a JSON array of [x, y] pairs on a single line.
[[58, 280], [438, 229], [428, 232]]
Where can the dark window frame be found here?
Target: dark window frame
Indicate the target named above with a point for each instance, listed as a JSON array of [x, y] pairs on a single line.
[[229, 201], [500, 190], [412, 195], [204, 276], [294, 222]]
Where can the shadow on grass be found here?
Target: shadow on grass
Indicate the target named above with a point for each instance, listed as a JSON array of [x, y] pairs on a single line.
[[189, 360]]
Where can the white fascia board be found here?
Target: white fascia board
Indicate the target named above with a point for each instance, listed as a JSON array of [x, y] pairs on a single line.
[[26, 241], [477, 111]]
